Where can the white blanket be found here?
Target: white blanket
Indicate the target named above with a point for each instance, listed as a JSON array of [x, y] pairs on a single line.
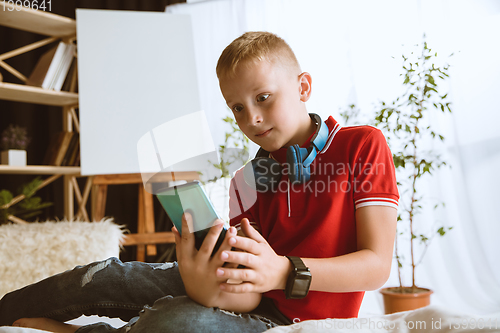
[[6, 329], [426, 320]]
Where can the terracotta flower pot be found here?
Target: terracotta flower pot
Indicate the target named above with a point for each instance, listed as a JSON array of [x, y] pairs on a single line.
[[397, 301]]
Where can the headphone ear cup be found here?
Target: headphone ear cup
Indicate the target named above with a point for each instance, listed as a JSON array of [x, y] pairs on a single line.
[[295, 156], [260, 173]]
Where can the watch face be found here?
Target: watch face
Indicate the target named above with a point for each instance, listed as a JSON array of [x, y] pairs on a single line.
[[300, 287], [301, 284]]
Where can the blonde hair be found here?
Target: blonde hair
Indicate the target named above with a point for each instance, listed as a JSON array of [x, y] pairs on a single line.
[[256, 46]]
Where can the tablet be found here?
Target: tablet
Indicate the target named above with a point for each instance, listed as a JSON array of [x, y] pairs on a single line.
[[191, 197]]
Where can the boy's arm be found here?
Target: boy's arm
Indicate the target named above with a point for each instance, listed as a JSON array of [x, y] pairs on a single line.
[[369, 267], [366, 269]]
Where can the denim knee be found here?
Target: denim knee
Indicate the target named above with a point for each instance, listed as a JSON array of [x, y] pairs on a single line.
[[106, 288], [181, 314]]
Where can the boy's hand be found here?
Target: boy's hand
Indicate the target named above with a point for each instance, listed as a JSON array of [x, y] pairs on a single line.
[[264, 269], [198, 268]]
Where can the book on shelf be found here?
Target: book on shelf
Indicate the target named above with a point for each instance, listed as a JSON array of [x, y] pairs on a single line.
[[63, 68], [75, 158], [72, 77], [55, 142], [58, 147], [70, 152], [52, 67], [63, 148], [46, 67]]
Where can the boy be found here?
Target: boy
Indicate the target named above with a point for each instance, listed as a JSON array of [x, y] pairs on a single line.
[[340, 225]]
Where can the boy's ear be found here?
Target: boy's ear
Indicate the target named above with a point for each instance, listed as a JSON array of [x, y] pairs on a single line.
[[305, 81]]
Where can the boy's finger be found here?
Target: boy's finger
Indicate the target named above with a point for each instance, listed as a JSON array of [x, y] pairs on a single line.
[[245, 244], [175, 231], [225, 245], [177, 235], [240, 258], [187, 226], [250, 231], [246, 275], [178, 248], [211, 238], [240, 288]]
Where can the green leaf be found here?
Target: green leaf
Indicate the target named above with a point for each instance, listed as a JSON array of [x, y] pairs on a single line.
[[423, 238], [26, 216], [5, 197], [29, 189], [430, 79]]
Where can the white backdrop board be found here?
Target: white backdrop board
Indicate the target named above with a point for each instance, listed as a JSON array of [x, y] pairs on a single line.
[[136, 71]]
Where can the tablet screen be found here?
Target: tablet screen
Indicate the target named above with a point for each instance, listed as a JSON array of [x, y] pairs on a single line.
[[190, 198]]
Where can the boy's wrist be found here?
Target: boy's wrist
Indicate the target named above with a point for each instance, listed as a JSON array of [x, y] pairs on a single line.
[[285, 272]]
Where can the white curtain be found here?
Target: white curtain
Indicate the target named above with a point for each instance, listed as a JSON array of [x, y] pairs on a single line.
[[348, 47]]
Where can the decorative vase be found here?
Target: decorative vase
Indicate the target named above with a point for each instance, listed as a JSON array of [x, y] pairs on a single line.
[[14, 157], [397, 301]]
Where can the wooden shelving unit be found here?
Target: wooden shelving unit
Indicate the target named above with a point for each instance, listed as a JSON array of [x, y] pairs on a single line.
[[57, 28], [36, 95], [39, 170], [37, 21]]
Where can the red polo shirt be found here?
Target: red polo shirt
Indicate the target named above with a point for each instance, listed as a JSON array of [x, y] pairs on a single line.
[[317, 219]]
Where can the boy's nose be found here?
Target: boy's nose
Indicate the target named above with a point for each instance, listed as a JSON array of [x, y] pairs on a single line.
[[254, 116]]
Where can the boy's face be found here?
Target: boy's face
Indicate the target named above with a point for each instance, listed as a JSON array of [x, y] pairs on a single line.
[[268, 104]]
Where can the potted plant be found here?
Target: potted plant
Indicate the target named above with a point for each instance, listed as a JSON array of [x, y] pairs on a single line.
[[14, 142], [24, 206], [406, 125]]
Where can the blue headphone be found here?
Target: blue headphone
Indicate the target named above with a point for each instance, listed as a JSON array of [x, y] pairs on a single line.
[[263, 171]]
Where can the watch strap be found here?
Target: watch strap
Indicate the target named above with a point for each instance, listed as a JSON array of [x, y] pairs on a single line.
[[297, 263], [295, 287]]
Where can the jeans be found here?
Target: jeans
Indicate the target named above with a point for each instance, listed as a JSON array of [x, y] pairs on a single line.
[[150, 297]]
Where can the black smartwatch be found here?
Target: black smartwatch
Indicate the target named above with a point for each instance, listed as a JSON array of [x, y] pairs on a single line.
[[299, 280]]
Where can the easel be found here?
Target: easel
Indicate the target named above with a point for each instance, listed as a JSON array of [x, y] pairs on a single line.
[[146, 237]]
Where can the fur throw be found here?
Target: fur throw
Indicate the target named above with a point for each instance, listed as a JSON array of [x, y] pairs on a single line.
[[32, 252]]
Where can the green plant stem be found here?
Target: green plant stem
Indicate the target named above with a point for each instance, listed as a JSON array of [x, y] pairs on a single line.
[[399, 265], [415, 173]]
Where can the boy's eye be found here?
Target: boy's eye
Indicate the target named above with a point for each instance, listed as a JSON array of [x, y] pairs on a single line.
[[237, 108], [262, 98]]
